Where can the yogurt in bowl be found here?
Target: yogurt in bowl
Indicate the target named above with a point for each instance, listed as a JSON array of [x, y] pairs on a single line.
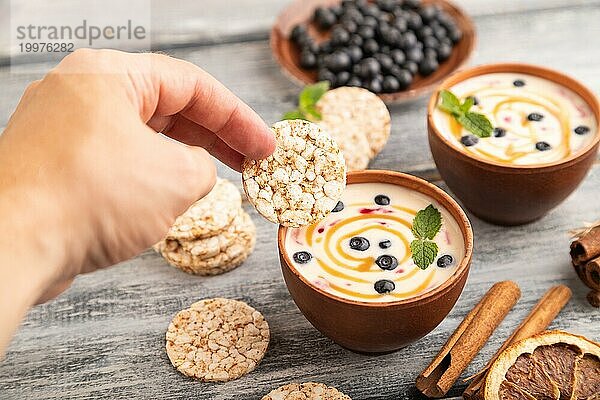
[[354, 276], [361, 251], [544, 139], [536, 121]]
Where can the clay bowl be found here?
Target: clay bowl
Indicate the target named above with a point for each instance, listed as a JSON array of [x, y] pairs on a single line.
[[380, 327], [510, 195], [301, 11]]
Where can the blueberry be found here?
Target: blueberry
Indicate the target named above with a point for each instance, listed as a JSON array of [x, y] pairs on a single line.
[[408, 41], [414, 21], [339, 36], [342, 78], [324, 18], [415, 54], [308, 60], [455, 34], [445, 261], [444, 52], [519, 83], [355, 53], [369, 21], [401, 24], [386, 5], [359, 243], [424, 32], [349, 25], [412, 4], [385, 61], [398, 56], [431, 42], [354, 81], [428, 13], [390, 84], [370, 46], [475, 100], [469, 140], [311, 46], [338, 61], [384, 286], [326, 75], [337, 10], [385, 244], [499, 132], [428, 52], [302, 257], [428, 66], [387, 262], [338, 207], [403, 76], [543, 146], [375, 85], [411, 67], [297, 32], [440, 32], [536, 117], [356, 40], [382, 200], [369, 67], [392, 36], [582, 130]]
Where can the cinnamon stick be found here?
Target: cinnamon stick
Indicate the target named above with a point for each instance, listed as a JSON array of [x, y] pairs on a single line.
[[591, 277], [468, 339], [537, 321], [586, 245]]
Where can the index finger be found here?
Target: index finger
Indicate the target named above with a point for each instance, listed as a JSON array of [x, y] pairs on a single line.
[[182, 87]]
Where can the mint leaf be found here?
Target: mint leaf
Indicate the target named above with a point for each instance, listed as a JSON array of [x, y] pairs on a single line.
[[424, 252], [467, 104], [427, 223], [449, 99], [476, 123], [307, 101], [296, 114], [309, 97]]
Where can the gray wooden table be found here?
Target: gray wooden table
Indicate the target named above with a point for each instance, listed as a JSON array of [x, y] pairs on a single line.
[[104, 338]]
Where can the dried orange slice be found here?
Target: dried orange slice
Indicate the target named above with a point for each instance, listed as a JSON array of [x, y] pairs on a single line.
[[553, 365]]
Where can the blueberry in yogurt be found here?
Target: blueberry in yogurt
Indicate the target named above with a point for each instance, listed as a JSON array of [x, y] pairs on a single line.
[[302, 257], [543, 146], [359, 243], [384, 286], [535, 117], [385, 244], [387, 262], [338, 207], [582, 130], [445, 261], [382, 200], [469, 140]]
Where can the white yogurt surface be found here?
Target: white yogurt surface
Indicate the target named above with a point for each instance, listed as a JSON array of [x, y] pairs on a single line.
[[350, 273], [508, 107]]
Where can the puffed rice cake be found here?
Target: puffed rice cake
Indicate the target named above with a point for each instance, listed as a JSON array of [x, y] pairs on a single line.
[[302, 181], [306, 391], [209, 215], [217, 340], [216, 254], [358, 120]]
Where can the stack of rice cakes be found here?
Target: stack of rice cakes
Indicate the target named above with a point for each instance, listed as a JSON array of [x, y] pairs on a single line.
[[213, 236]]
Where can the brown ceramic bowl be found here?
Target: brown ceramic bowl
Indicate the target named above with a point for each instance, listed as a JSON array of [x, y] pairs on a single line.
[[381, 327], [510, 195], [301, 11]]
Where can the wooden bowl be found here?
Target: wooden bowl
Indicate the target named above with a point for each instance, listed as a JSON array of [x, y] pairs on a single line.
[[510, 194], [287, 53], [381, 327]]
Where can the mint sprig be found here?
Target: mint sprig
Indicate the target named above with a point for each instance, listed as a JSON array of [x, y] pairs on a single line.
[[476, 123], [426, 225], [307, 102]]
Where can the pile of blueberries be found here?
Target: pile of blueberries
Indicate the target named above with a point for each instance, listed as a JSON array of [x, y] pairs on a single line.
[[379, 45]]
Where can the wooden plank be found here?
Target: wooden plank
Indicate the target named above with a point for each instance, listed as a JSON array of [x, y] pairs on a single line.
[[104, 338]]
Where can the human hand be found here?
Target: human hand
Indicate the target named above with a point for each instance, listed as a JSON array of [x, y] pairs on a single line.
[[86, 179]]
